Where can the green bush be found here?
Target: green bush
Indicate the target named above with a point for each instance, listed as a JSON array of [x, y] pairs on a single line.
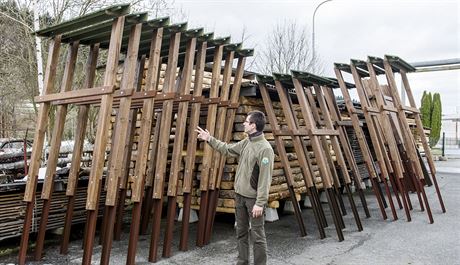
[[436, 115]]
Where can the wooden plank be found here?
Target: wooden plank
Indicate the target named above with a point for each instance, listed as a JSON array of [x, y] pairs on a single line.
[[42, 120], [213, 184], [192, 144], [184, 90], [80, 93], [220, 119], [128, 81], [407, 134], [207, 157], [377, 140], [82, 120], [147, 117], [104, 115], [319, 155], [163, 144], [389, 135]]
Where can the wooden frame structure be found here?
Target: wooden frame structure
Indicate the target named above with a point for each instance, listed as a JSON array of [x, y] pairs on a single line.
[[316, 138], [324, 110], [138, 38], [363, 145]]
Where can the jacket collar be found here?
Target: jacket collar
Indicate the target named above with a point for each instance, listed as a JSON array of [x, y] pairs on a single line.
[[256, 136]]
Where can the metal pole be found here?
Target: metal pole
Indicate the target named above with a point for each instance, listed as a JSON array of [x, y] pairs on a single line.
[[313, 56], [443, 143]]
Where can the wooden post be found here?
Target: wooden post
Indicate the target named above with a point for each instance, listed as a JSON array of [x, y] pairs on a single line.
[[192, 144], [326, 146], [166, 117], [82, 121], [128, 148], [137, 186], [101, 138], [219, 133], [120, 140], [56, 139], [385, 120], [317, 149], [419, 127], [425, 145], [42, 120], [227, 133], [406, 133], [207, 156], [337, 150], [184, 90]]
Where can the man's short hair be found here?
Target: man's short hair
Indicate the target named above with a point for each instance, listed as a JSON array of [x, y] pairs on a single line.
[[258, 118]]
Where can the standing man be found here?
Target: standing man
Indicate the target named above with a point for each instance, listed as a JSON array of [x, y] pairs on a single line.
[[252, 182]]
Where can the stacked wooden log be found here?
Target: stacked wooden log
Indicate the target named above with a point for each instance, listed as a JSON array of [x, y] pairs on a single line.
[[12, 209]]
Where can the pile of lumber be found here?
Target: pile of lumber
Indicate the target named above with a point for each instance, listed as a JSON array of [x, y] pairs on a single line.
[[12, 209]]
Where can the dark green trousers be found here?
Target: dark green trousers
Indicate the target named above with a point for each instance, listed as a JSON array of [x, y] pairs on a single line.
[[243, 210]]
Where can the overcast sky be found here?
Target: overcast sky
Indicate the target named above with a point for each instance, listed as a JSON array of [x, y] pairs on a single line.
[[414, 30]]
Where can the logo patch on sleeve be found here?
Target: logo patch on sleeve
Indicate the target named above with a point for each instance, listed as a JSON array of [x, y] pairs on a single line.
[[265, 160]]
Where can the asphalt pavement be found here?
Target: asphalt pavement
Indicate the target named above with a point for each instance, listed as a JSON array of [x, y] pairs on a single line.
[[381, 242]]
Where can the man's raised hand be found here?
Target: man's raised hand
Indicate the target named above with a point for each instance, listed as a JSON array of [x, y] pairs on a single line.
[[202, 134]]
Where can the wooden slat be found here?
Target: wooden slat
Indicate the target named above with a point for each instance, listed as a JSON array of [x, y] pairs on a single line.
[[128, 81], [42, 119], [104, 115], [163, 145], [80, 94], [59, 122], [58, 130], [139, 176], [166, 117], [82, 120]]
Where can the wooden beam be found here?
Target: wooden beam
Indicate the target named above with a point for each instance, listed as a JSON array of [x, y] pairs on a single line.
[[42, 121]]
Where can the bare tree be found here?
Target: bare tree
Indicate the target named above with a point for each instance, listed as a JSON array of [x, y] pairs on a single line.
[[287, 47], [18, 68]]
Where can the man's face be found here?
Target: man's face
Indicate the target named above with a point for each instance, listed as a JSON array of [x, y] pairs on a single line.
[[249, 127]]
